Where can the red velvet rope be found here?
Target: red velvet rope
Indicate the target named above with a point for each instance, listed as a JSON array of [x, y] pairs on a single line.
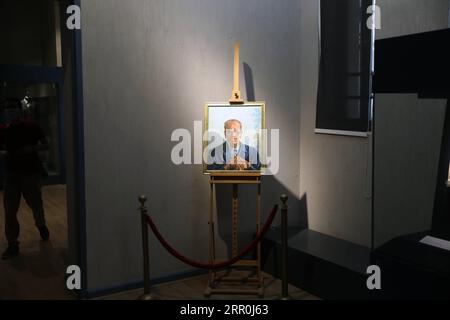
[[224, 264]]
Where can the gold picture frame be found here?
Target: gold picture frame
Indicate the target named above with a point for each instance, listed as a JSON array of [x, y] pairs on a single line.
[[252, 119]]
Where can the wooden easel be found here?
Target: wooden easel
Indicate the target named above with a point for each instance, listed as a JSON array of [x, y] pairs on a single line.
[[236, 94], [235, 179]]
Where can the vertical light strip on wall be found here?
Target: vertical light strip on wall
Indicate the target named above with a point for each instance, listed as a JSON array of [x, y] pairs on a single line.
[[372, 58], [58, 34], [448, 180]]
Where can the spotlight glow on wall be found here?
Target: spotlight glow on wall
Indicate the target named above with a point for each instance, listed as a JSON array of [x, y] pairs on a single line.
[[448, 181]]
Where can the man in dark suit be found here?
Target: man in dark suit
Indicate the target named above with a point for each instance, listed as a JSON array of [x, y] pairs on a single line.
[[233, 154]]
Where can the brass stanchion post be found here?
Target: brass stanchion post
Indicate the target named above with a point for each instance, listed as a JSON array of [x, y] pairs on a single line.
[[284, 244], [143, 209]]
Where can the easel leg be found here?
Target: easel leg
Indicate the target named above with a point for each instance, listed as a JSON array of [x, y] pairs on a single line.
[[212, 250], [258, 228], [213, 228], [234, 226], [255, 280]]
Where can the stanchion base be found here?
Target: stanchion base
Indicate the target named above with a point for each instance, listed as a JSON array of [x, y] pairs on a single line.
[[288, 298], [147, 297]]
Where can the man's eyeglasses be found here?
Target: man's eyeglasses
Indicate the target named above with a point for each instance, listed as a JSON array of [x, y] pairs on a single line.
[[232, 132]]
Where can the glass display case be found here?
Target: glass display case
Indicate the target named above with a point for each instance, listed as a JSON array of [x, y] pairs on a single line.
[[411, 210]]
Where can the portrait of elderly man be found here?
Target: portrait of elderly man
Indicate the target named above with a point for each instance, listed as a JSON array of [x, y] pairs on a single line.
[[233, 154]]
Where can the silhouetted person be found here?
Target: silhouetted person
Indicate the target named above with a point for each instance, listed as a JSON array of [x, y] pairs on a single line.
[[23, 175]]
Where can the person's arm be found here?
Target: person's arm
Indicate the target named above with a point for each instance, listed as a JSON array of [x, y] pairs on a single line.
[[3, 152], [41, 146]]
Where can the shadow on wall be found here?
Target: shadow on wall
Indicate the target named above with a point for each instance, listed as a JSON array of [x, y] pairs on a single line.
[[247, 200], [271, 190], [250, 88]]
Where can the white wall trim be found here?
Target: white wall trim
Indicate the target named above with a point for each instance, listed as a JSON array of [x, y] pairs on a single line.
[[342, 133]]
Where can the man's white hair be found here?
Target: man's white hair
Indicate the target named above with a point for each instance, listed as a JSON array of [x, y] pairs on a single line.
[[230, 121]]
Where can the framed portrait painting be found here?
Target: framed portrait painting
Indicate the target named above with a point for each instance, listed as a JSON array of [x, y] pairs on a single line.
[[233, 138]]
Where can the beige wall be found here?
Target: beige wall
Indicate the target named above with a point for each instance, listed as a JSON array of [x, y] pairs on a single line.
[[335, 172], [408, 143], [402, 17]]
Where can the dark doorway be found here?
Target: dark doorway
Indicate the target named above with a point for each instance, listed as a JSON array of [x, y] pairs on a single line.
[[38, 66]]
